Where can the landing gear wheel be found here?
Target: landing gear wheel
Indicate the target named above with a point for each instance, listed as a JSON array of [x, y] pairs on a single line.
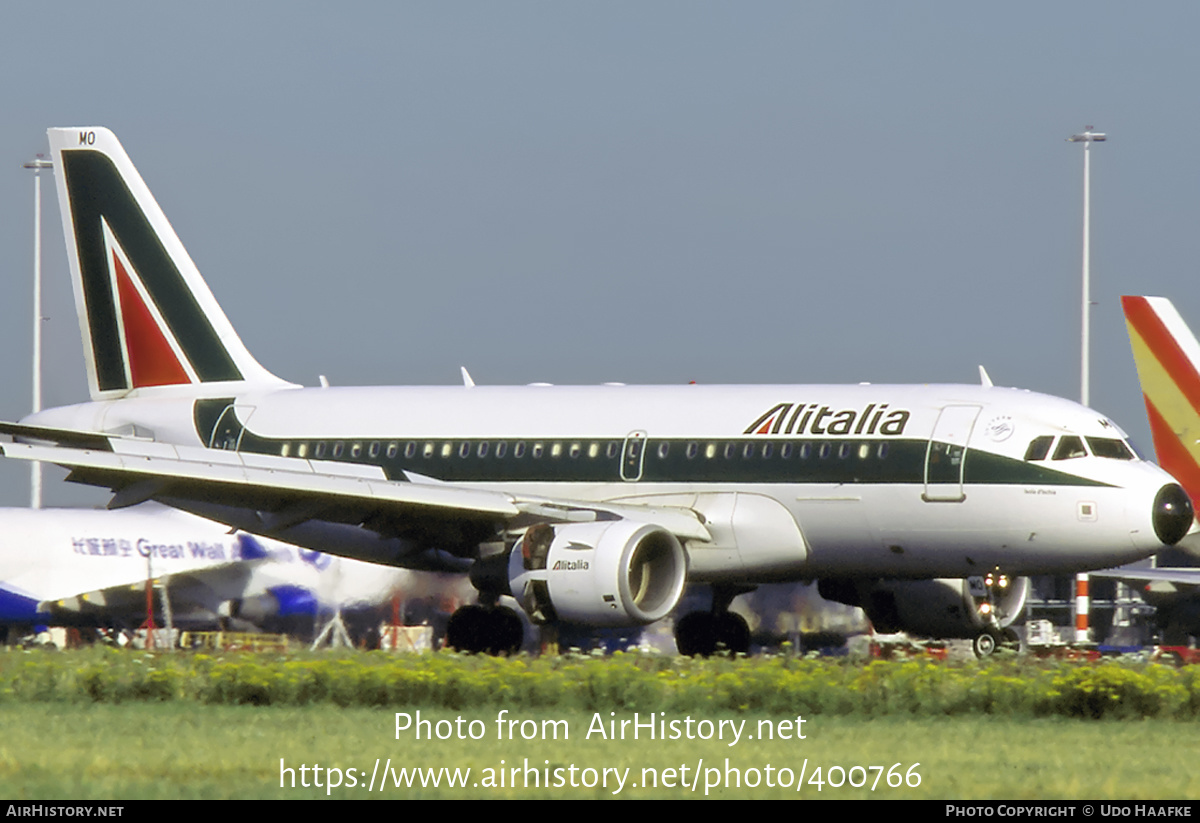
[[465, 630], [479, 629], [984, 645], [507, 631], [703, 634], [732, 633], [695, 634]]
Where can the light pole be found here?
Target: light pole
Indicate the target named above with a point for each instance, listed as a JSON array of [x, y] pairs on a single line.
[[1087, 137], [37, 164]]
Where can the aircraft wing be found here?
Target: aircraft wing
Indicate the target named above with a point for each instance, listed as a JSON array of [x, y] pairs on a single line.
[[289, 491], [193, 594], [1176, 576]]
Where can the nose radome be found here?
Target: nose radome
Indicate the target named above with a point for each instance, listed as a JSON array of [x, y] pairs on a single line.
[[1173, 514]]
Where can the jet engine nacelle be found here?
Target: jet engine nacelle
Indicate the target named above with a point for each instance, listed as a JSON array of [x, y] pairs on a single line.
[[608, 573], [944, 607], [279, 601]]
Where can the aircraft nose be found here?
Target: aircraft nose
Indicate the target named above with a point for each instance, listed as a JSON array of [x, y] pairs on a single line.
[[1173, 514]]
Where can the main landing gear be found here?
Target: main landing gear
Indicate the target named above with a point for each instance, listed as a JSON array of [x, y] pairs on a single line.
[[720, 630], [485, 629]]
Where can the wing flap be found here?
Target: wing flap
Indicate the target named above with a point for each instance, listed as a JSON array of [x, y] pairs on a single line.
[[66, 437]]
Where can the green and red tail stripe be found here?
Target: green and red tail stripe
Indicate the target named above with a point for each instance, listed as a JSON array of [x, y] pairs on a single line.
[[151, 358], [149, 319]]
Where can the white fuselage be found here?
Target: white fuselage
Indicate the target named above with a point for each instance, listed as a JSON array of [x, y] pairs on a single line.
[[78, 565], [792, 482]]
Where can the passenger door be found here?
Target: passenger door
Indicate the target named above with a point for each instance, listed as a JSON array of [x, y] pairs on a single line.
[[946, 454]]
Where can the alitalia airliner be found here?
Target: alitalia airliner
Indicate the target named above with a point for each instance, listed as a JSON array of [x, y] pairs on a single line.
[[924, 504]]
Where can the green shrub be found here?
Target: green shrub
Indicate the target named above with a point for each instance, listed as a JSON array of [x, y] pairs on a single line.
[[621, 682]]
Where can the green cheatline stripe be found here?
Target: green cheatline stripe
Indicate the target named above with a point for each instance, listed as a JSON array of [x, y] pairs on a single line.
[[850, 461]]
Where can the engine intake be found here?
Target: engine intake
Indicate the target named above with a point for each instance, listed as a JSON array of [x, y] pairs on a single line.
[[610, 573]]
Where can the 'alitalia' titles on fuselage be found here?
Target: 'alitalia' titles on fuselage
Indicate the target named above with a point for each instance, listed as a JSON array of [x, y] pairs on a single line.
[[811, 418]]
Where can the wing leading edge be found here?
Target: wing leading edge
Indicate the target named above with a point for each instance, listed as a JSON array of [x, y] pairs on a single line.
[[286, 493]]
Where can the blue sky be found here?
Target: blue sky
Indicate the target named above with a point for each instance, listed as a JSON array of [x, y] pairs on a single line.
[[642, 192]]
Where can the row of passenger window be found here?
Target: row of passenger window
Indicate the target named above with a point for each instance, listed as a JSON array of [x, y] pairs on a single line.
[[355, 450], [804, 450], [463, 449], [1070, 446]]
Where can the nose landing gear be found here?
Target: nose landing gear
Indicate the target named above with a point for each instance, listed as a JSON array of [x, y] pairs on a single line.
[[991, 592]]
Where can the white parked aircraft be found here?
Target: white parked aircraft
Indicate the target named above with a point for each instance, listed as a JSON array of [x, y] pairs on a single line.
[[78, 567], [589, 504]]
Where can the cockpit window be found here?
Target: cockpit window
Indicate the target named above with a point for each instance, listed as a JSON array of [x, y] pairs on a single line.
[[1069, 447], [1110, 447], [1039, 447]]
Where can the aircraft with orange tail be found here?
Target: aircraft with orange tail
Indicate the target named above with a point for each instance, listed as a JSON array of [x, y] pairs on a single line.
[[1167, 355]]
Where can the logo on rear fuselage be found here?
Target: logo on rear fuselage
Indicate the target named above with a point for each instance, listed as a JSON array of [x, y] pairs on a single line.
[[811, 418]]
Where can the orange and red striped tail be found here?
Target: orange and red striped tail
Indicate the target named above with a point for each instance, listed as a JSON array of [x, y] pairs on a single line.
[[1168, 363]]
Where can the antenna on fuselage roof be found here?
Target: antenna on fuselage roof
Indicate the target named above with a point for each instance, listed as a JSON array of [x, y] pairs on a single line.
[[467, 381], [984, 379]]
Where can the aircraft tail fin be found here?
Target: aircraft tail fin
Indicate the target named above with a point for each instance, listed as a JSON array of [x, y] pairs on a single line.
[[147, 317], [1167, 355]]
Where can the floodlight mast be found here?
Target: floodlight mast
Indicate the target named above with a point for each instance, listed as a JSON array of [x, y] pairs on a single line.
[[37, 164], [1087, 137]]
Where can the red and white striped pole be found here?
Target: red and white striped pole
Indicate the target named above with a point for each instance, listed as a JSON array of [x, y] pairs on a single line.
[[1081, 608]]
